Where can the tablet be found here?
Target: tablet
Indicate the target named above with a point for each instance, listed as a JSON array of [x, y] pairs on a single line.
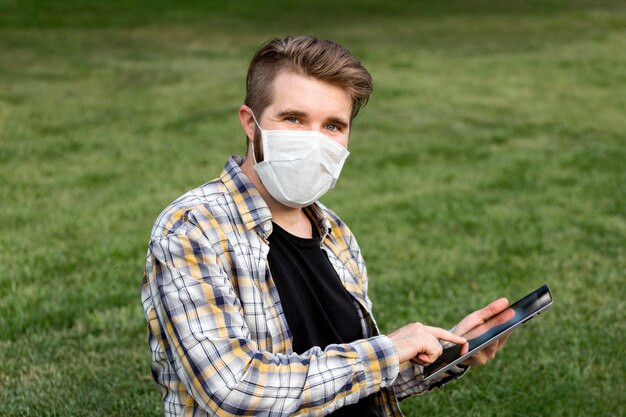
[[499, 326]]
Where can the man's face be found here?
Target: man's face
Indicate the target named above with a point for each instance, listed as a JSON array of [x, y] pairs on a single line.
[[304, 103]]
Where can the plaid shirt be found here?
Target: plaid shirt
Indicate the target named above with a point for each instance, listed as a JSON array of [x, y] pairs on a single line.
[[219, 339]]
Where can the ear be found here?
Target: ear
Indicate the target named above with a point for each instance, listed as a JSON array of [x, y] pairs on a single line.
[[247, 121]]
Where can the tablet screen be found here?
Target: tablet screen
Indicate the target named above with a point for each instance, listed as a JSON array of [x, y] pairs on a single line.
[[495, 328]]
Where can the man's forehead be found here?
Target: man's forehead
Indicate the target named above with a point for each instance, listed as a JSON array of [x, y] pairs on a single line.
[[299, 94]]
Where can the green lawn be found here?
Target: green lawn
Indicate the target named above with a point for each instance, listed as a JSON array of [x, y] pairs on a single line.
[[490, 160]]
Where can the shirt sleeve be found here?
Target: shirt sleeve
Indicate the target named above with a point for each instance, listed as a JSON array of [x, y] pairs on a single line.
[[208, 343]]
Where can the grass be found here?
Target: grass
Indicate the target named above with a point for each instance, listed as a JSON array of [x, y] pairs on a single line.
[[491, 159]]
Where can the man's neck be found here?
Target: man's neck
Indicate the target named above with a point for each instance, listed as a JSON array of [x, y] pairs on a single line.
[[293, 220]]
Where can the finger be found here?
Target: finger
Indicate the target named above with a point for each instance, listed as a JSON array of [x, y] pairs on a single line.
[[423, 359], [492, 309], [479, 317], [431, 349], [500, 318], [485, 313], [502, 341], [443, 334], [430, 357], [417, 361], [491, 350]]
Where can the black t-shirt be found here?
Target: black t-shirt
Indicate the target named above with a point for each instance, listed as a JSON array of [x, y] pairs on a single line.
[[318, 309]]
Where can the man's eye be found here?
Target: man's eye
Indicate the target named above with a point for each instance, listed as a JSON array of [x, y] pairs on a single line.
[[292, 119], [332, 128]]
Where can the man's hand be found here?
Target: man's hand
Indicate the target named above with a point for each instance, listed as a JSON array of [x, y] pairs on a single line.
[[480, 321], [420, 343]]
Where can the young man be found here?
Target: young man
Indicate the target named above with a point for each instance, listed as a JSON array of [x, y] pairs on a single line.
[[254, 292]]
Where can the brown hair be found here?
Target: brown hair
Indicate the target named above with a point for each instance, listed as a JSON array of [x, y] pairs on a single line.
[[305, 55]]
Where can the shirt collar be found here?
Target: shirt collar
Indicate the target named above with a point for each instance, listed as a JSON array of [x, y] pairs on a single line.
[[250, 204], [320, 220]]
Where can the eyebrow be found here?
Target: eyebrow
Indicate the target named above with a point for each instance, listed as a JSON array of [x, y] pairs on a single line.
[[298, 113], [290, 113]]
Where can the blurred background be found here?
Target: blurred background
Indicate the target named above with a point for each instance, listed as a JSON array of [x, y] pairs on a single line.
[[490, 160]]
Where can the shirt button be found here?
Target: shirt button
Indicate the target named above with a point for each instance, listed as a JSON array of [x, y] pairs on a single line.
[[267, 227]]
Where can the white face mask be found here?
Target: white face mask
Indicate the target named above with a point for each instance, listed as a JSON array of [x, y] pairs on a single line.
[[299, 166]]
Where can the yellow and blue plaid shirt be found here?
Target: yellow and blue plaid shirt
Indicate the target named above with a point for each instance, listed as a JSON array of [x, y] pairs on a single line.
[[219, 339]]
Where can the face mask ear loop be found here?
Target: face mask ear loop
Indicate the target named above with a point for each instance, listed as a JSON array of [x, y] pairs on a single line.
[[255, 121], [253, 139]]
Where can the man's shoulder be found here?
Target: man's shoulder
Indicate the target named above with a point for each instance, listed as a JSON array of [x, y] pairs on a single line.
[[227, 202], [200, 202]]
